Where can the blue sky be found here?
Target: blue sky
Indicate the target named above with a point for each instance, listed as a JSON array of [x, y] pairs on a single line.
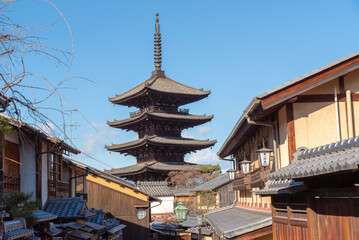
[[237, 49]]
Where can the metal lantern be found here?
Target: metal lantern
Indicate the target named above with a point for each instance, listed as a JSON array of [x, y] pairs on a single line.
[[264, 156], [245, 166], [181, 212]]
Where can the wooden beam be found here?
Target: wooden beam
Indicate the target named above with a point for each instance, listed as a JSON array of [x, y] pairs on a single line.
[[290, 130]]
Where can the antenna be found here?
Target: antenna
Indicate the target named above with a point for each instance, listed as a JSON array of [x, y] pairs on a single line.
[[72, 125]]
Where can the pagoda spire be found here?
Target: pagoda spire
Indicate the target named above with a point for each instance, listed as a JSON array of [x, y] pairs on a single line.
[[157, 49]]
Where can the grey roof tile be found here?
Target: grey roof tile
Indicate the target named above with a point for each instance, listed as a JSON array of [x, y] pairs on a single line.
[[213, 184], [235, 221], [155, 188], [65, 207], [330, 158]]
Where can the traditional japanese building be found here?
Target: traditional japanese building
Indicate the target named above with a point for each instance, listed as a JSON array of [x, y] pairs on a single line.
[[159, 122]]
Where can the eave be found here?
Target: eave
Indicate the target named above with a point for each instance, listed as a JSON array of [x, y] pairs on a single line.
[[189, 120], [161, 141]]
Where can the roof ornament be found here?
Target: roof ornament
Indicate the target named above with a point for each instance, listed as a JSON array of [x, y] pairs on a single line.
[[157, 49]]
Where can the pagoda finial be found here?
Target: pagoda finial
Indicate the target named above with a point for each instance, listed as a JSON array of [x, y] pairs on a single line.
[[158, 54]]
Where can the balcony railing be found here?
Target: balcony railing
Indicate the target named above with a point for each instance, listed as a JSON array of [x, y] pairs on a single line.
[[242, 183], [11, 183], [184, 111]]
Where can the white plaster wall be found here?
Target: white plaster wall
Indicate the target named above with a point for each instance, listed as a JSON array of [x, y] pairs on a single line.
[[165, 207], [28, 167], [44, 190], [12, 137]]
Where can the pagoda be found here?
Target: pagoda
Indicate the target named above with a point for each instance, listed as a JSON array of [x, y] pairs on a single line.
[[159, 122]]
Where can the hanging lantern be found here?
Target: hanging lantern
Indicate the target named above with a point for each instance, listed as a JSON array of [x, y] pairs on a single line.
[[245, 166], [181, 212], [231, 173], [264, 156]]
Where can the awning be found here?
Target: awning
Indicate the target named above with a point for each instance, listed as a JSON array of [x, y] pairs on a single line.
[[287, 186]]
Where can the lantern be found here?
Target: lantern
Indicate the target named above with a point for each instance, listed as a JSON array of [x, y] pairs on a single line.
[[181, 212], [264, 156], [245, 166], [231, 173]]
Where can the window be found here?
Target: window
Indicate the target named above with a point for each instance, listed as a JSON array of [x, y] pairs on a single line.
[[79, 181], [55, 167]]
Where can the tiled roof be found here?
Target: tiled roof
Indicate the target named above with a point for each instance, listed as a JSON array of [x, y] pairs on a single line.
[[155, 188], [190, 222], [286, 186], [330, 158], [41, 216], [98, 218], [235, 221], [182, 191], [155, 166], [168, 116], [160, 84], [69, 208], [166, 141], [213, 184]]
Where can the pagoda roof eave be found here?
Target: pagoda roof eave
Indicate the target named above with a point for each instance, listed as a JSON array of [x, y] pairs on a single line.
[[162, 141], [195, 119], [160, 86], [154, 166]]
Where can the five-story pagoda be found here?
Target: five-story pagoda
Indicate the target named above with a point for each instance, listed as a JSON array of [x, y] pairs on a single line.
[[159, 123]]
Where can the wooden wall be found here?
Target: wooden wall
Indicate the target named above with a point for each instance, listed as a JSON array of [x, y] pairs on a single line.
[[121, 206], [226, 195]]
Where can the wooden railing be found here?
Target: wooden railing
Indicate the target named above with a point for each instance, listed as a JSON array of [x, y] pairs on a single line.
[[184, 111], [11, 183], [258, 177], [242, 183]]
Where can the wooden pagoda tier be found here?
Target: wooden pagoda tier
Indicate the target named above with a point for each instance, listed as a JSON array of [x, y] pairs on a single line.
[[152, 171], [150, 122], [162, 149], [160, 91]]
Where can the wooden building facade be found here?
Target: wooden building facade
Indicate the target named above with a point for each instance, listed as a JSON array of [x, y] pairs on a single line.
[[313, 110]]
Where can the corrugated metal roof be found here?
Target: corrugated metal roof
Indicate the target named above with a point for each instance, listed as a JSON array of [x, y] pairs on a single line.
[[235, 221], [213, 184], [330, 158]]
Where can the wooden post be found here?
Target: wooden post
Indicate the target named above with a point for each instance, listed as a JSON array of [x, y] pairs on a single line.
[[2, 140], [290, 130]]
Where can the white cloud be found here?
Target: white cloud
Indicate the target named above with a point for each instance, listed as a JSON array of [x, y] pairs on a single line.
[[206, 156], [47, 127], [203, 131], [187, 134], [95, 142]]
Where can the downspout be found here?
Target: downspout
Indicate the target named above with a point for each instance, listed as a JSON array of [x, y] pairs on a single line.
[[267, 124]]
